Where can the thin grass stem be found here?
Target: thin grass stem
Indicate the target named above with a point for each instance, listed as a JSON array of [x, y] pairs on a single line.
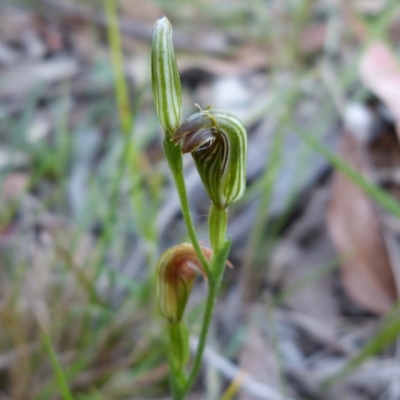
[[61, 379]]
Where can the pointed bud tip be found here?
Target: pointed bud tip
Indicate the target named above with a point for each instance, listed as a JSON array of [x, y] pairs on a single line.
[[163, 23]]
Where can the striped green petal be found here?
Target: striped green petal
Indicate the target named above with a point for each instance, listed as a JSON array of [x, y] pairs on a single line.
[[165, 79], [218, 143]]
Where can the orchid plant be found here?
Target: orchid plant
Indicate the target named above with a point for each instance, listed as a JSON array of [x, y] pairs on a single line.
[[217, 142]]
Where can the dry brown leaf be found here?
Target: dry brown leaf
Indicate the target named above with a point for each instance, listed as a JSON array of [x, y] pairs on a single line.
[[380, 71], [357, 232]]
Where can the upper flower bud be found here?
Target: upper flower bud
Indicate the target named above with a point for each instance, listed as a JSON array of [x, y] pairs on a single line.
[[165, 79], [176, 272], [218, 143]]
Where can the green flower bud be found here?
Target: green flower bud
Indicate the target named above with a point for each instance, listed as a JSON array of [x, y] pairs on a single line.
[[218, 143], [165, 79], [176, 272]]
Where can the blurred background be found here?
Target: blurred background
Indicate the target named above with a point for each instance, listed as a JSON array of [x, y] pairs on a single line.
[[310, 308]]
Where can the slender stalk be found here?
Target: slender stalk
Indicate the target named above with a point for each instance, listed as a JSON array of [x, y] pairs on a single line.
[[217, 271], [124, 117], [248, 276], [131, 158], [177, 380], [174, 158], [121, 88], [208, 312], [180, 184], [60, 376], [217, 223], [176, 394]]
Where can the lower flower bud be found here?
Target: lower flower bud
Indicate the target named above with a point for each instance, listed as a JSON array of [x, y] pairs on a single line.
[[176, 272]]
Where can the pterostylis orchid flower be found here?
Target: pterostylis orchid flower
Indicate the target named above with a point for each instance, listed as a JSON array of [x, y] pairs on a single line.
[[218, 143], [176, 272], [175, 276]]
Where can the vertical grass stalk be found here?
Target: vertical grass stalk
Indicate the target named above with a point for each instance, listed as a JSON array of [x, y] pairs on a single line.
[[61, 379]]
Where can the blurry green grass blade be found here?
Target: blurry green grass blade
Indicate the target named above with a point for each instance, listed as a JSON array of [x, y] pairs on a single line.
[[81, 277], [272, 107], [21, 125], [123, 106], [61, 379], [386, 335], [305, 280], [267, 182], [382, 198], [80, 366], [273, 331], [93, 395], [378, 28], [130, 157], [267, 185], [277, 225], [63, 136], [121, 89]]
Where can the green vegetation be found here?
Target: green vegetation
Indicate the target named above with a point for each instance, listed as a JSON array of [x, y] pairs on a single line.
[[79, 317]]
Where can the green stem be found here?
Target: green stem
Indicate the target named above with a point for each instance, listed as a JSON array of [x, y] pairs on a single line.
[[176, 393], [217, 223], [121, 88], [179, 348], [217, 268], [214, 271], [177, 381], [174, 158], [208, 313], [61, 378]]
